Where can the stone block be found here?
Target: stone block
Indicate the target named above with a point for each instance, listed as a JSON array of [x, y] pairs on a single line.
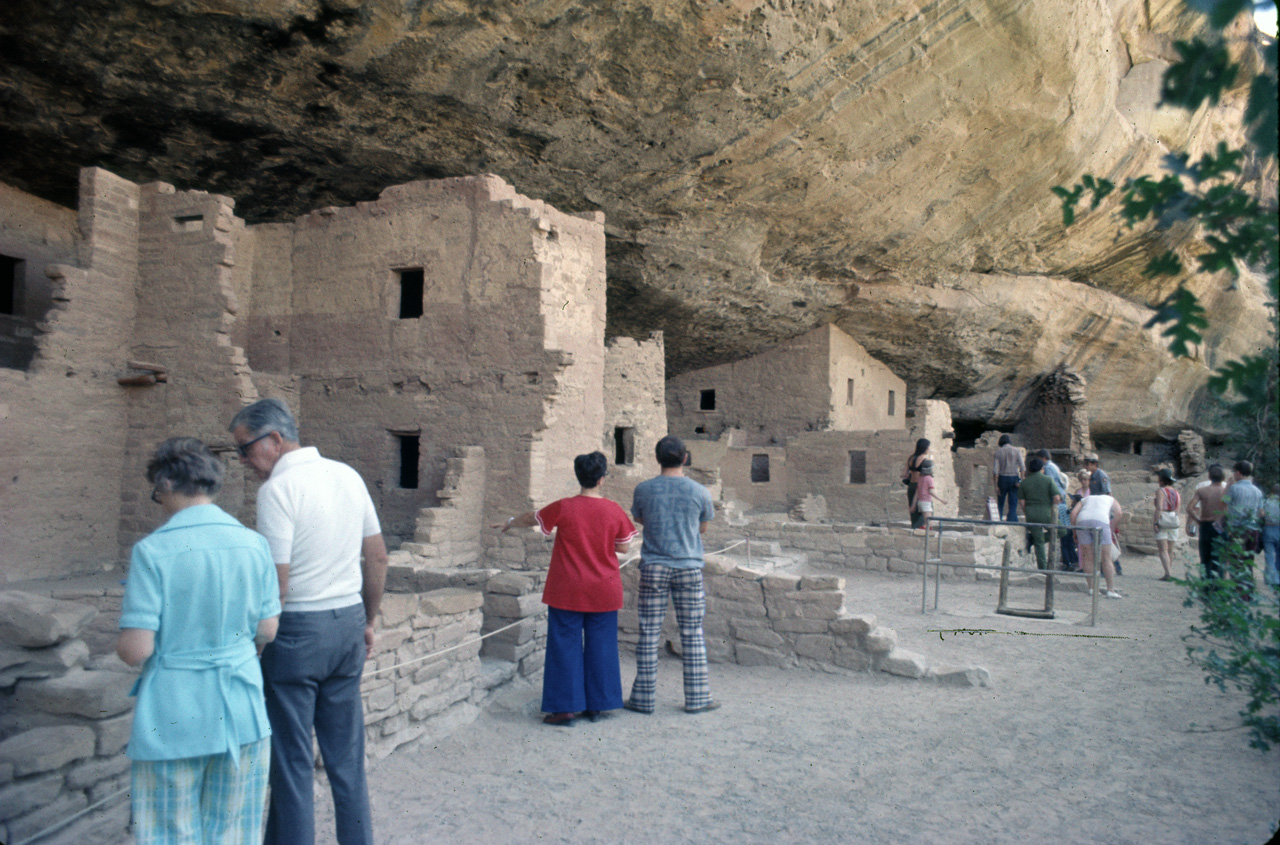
[[821, 582], [510, 584], [30, 793], [801, 626], [858, 624], [86, 774], [45, 749], [507, 651], [34, 621], [736, 589], [737, 609], [533, 663], [519, 632], [746, 654], [780, 583], [881, 640], [512, 607], [400, 579], [746, 574], [112, 735], [897, 564], [381, 698], [848, 658], [717, 565], [814, 605], [395, 724], [756, 632], [384, 641], [908, 664], [451, 600], [398, 608], [34, 663], [720, 650], [961, 676], [94, 695], [819, 647], [68, 804]]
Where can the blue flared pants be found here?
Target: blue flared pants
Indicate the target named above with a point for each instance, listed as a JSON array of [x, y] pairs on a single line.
[[582, 671]]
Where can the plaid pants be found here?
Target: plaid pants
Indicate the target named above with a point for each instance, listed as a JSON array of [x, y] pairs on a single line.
[[685, 588], [201, 799]]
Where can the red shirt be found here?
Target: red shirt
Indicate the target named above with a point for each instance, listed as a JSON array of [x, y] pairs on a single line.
[[583, 576]]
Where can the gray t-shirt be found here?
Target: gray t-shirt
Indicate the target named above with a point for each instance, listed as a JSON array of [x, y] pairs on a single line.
[[671, 508]]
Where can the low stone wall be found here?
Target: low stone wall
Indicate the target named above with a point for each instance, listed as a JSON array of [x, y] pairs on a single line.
[[845, 546], [406, 696], [66, 716], [759, 619], [66, 720]]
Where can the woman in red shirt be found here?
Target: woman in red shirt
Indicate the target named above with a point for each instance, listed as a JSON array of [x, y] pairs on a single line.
[[583, 595]]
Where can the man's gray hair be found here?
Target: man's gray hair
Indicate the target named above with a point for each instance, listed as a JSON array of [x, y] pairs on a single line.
[[185, 465], [266, 415]]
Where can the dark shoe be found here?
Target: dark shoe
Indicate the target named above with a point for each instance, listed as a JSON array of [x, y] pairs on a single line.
[[1165, 578], [559, 720], [592, 715], [715, 705], [627, 705]]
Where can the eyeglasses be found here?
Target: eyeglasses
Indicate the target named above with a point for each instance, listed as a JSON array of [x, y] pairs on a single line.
[[243, 448]]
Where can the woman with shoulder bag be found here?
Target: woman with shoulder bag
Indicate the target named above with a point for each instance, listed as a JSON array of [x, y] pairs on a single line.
[[1167, 503]]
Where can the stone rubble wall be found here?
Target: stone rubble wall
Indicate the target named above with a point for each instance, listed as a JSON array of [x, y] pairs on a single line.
[[759, 619], [64, 417], [65, 723], [634, 385], [450, 535], [842, 547], [65, 717]]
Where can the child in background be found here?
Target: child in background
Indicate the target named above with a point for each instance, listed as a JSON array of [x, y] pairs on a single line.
[[925, 497]]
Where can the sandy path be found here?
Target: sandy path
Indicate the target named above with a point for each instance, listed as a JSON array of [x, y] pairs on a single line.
[[1078, 740]]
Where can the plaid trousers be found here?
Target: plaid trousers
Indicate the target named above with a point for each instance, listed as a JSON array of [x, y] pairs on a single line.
[[685, 588], [201, 799]]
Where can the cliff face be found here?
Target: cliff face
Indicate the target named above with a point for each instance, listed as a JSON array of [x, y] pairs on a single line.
[[765, 166]]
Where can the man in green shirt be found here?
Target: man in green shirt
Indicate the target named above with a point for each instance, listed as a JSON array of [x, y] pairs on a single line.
[[1040, 498]]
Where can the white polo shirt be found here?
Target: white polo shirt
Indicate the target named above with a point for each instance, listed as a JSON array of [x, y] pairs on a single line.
[[315, 514]]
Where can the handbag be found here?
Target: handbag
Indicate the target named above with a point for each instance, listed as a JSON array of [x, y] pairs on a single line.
[[1167, 520]]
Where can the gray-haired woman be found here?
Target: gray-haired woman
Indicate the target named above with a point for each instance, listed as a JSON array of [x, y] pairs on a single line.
[[202, 591]]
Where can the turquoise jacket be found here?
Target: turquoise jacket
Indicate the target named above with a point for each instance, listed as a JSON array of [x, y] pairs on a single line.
[[202, 582]]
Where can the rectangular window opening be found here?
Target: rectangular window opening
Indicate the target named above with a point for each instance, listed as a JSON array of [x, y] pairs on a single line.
[[10, 273], [707, 401], [848, 393], [891, 402], [409, 452], [624, 446], [412, 287], [857, 467], [188, 222], [759, 469]]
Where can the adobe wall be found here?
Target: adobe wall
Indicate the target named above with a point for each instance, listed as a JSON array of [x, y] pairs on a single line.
[[736, 483], [63, 421], [634, 398], [507, 355], [37, 233], [819, 463], [878, 399], [186, 316], [771, 396]]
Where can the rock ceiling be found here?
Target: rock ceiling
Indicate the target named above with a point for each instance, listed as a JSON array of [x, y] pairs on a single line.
[[765, 166]]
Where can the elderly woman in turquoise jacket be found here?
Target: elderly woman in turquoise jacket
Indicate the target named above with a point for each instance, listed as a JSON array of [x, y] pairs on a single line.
[[201, 600]]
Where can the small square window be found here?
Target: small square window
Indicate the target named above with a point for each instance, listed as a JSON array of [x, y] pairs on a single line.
[[857, 467], [707, 402], [759, 469], [412, 286]]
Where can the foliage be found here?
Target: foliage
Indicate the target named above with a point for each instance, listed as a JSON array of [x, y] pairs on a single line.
[[1238, 640]]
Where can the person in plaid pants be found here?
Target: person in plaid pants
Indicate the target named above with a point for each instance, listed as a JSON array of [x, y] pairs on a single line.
[[674, 511]]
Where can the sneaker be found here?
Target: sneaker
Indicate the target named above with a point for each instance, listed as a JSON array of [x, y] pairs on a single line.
[[713, 705], [1112, 594]]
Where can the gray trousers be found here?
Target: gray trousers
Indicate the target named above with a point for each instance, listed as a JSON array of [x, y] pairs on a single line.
[[312, 673]]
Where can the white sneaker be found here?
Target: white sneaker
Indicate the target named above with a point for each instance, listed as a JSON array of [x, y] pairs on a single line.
[[1112, 594]]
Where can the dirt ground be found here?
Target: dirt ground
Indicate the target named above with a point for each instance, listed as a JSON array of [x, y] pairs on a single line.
[[1111, 737]]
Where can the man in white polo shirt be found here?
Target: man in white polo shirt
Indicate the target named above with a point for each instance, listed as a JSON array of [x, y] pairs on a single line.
[[319, 521]]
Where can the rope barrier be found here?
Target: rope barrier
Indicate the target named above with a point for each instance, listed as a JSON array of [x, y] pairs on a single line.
[[56, 826], [63, 823]]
